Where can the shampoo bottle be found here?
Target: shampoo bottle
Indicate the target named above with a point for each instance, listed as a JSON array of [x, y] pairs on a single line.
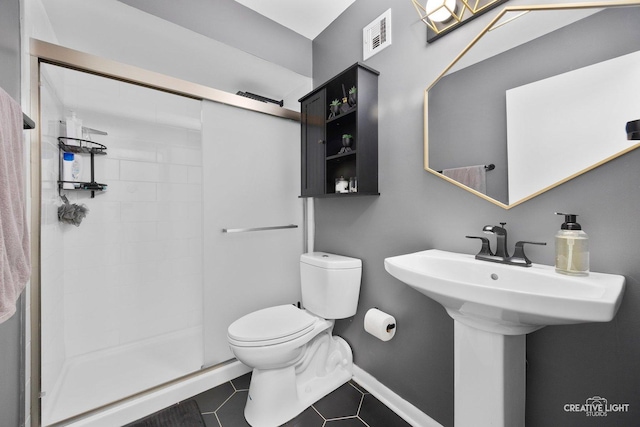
[[572, 248], [71, 171], [67, 168]]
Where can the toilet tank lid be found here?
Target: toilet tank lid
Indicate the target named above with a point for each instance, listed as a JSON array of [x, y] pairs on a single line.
[[330, 261]]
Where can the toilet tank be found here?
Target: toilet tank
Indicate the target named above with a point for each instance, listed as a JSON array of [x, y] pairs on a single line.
[[330, 284]]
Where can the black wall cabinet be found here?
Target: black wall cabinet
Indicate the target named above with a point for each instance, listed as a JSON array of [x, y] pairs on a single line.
[[326, 155]]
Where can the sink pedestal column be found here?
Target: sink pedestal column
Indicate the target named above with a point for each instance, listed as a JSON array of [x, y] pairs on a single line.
[[489, 371]]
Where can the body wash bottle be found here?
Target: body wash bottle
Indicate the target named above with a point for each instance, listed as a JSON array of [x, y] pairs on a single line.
[[67, 171], [572, 248], [71, 171]]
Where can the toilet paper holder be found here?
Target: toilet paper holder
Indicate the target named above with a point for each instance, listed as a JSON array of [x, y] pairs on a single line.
[[390, 326]]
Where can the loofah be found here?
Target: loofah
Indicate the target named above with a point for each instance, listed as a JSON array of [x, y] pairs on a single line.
[[72, 213]]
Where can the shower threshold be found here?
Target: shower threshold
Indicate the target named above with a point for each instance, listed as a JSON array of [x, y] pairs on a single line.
[[94, 380]]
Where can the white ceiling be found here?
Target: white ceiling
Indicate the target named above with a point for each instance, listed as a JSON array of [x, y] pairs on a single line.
[[306, 17]]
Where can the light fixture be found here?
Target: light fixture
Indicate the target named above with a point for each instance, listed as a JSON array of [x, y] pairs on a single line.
[[443, 16], [440, 10], [633, 130]]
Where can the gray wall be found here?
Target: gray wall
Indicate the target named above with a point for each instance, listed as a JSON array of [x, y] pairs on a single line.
[[10, 331], [10, 47], [247, 30], [416, 210]]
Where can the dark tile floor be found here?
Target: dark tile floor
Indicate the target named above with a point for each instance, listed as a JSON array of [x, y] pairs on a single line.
[[348, 406]]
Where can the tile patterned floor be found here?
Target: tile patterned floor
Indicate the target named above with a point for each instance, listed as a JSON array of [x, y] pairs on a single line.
[[348, 406]]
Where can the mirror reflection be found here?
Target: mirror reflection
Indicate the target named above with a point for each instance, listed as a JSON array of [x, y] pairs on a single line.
[[511, 125]]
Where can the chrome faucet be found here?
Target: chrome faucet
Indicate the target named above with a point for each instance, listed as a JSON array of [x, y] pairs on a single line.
[[501, 255]]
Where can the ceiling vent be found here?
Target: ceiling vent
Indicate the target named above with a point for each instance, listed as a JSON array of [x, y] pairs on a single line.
[[377, 35]]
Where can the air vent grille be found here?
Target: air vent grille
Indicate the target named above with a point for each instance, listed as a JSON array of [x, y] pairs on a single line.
[[377, 35]]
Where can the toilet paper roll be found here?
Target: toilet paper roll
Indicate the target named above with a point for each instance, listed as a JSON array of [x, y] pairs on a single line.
[[380, 324]]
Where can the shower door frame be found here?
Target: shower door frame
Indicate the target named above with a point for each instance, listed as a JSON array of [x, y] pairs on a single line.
[[44, 52]]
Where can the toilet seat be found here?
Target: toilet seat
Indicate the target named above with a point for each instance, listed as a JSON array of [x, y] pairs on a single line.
[[270, 326]]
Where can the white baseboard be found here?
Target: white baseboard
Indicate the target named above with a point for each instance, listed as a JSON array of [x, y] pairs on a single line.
[[397, 404]]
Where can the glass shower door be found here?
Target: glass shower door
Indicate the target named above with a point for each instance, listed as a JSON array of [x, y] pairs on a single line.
[[121, 293], [252, 182]]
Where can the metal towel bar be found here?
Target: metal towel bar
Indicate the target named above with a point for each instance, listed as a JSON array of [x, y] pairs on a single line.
[[246, 230]]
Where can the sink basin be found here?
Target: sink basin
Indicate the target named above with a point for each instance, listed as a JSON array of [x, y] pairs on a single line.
[[506, 299]]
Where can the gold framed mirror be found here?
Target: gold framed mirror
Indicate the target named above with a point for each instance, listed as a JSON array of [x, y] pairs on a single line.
[[539, 97]]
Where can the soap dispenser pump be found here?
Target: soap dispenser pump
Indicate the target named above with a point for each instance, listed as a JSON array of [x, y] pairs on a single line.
[[572, 248]]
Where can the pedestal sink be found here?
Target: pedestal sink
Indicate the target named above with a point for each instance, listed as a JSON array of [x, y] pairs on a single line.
[[493, 307]]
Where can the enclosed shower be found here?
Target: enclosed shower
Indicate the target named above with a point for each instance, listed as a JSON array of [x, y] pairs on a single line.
[[140, 292]]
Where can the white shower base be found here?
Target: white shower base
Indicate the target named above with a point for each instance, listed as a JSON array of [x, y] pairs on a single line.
[[91, 381]]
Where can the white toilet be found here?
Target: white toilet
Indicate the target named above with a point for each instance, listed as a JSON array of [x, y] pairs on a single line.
[[294, 357]]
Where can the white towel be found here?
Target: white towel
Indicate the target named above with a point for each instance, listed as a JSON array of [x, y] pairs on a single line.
[[472, 176], [15, 263]]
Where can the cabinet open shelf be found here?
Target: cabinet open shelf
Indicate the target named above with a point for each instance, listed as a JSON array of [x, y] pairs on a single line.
[[359, 193], [337, 156], [342, 116]]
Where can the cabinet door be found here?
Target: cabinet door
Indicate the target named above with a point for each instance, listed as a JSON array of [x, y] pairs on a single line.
[[313, 111]]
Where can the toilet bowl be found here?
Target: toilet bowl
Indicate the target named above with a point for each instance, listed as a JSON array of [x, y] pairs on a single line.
[[274, 337], [295, 358]]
